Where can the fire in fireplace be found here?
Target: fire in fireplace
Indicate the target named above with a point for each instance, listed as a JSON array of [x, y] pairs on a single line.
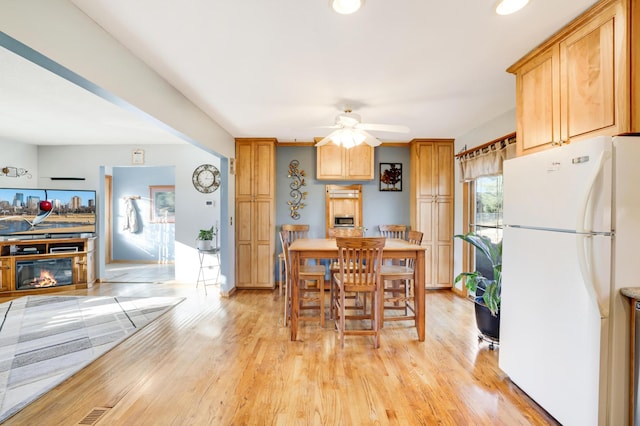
[[42, 273]]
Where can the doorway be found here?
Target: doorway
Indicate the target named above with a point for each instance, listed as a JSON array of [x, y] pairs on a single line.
[[139, 246]]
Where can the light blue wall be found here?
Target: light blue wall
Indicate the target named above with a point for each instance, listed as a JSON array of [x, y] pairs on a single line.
[[313, 212], [377, 207], [380, 207], [153, 242]]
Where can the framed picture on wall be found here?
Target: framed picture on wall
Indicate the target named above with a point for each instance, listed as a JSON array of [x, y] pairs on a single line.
[[390, 176], [163, 203]]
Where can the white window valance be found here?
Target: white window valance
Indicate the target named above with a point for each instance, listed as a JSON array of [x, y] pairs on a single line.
[[486, 159]]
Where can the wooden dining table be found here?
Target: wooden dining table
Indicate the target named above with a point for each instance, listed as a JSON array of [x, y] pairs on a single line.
[[326, 248]]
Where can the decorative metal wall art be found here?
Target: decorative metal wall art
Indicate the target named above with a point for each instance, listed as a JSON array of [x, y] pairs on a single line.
[[10, 171], [297, 195]]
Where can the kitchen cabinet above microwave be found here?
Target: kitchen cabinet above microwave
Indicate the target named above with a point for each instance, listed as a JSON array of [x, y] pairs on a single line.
[[576, 85], [335, 162]]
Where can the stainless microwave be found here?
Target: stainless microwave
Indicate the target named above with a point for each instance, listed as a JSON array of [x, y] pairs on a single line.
[[343, 222]]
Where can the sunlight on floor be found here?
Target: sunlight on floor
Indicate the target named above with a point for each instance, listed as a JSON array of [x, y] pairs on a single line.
[[140, 272]]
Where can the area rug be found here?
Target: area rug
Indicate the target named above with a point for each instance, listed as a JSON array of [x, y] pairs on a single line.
[[46, 339]]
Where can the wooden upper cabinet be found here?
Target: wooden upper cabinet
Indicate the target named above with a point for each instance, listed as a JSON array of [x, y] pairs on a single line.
[[338, 163], [254, 168], [576, 84], [434, 169]]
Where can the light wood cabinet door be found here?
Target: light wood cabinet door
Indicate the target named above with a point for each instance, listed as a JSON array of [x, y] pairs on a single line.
[[255, 213], [80, 268], [5, 274], [330, 162], [432, 207], [443, 242], [538, 102], [359, 162], [334, 162], [589, 58], [244, 170]]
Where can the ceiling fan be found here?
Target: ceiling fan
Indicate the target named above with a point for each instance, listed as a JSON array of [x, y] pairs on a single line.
[[350, 130]]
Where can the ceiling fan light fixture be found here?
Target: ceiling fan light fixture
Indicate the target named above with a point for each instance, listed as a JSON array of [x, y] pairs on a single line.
[[346, 7], [507, 7], [348, 138]]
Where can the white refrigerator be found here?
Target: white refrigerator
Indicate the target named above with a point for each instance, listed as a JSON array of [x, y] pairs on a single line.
[[571, 241]]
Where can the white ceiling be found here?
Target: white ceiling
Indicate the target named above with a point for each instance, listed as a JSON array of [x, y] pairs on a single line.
[[38, 107], [281, 68]]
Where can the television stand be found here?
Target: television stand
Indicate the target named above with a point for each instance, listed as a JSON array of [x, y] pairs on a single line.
[[46, 265]]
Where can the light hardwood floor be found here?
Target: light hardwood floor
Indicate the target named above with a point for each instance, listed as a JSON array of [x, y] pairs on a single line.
[[229, 361]]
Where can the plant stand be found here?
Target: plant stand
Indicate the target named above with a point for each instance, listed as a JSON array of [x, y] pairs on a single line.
[[202, 254], [492, 342]]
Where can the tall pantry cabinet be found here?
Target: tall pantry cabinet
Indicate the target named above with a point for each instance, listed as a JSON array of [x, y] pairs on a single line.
[[431, 192], [255, 212]]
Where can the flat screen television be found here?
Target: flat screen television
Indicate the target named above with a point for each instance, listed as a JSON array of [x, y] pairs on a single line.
[[31, 213]]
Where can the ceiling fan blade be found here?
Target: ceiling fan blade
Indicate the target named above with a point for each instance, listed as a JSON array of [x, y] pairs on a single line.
[[335, 126], [383, 127], [326, 139], [369, 139]]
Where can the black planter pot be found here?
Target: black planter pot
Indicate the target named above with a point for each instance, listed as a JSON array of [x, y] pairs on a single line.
[[488, 324]]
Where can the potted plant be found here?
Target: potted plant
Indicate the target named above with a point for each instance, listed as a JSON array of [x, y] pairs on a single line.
[[205, 237], [487, 290]]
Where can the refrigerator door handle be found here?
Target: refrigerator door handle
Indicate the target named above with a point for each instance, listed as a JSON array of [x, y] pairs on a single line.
[[582, 234], [587, 278]]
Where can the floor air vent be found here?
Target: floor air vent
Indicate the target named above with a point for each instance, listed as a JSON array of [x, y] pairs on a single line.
[[94, 416]]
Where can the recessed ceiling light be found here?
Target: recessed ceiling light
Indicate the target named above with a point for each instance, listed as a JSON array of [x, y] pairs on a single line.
[[346, 7], [507, 7]]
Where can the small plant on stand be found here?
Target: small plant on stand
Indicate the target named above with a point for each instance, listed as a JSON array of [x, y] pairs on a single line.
[[205, 238]]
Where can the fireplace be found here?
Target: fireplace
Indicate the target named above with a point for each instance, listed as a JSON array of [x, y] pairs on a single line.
[[43, 273]]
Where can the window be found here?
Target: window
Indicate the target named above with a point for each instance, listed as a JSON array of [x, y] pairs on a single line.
[[487, 217], [481, 172]]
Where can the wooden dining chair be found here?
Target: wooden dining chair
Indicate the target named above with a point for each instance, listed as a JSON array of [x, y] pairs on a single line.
[[311, 296], [359, 261], [333, 263], [295, 231], [393, 231], [398, 282]]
